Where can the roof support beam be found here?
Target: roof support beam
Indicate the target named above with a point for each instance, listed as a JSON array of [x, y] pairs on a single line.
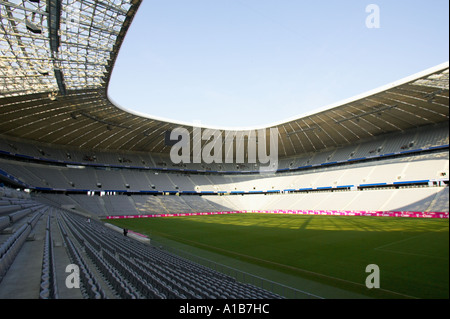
[[54, 17]]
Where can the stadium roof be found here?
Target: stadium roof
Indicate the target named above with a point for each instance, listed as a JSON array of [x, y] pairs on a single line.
[[56, 62]]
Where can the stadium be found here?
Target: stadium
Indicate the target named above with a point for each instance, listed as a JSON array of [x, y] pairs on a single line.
[[90, 186]]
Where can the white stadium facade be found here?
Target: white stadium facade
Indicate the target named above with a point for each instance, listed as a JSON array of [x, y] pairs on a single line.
[[66, 150]]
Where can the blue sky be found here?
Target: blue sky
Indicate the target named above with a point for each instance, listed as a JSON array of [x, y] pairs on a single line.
[[247, 63]]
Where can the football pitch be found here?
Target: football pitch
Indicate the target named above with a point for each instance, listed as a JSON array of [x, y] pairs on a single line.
[[317, 254]]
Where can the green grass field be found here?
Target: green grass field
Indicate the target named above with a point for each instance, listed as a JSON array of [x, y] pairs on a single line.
[[331, 251]]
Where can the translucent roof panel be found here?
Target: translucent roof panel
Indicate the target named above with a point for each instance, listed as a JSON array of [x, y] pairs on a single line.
[[56, 59], [55, 46], [438, 80]]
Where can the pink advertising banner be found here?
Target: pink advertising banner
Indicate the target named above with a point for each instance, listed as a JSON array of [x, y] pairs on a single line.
[[303, 212]]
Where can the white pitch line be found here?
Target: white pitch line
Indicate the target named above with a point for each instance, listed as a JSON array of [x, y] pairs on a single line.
[[412, 254], [295, 268], [406, 253], [399, 241]]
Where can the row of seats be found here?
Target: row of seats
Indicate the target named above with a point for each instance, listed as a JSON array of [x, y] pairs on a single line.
[[49, 286], [91, 288], [136, 270], [110, 265], [413, 139], [424, 199], [12, 245], [13, 210], [433, 166]]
